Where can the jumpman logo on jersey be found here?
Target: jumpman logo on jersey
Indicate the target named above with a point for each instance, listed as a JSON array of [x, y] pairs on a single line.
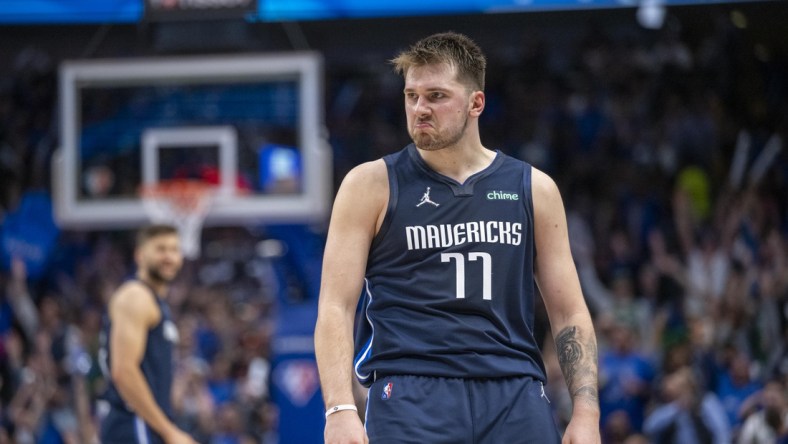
[[426, 199]]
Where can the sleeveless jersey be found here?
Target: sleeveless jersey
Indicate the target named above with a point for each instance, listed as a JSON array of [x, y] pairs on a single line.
[[157, 367], [449, 287]]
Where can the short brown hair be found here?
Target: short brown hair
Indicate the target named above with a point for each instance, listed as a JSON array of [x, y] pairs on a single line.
[[150, 231], [452, 48]]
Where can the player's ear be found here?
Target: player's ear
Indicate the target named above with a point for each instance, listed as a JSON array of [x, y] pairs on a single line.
[[477, 103]]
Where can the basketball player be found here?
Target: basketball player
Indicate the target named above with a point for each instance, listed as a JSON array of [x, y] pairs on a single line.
[[445, 240], [141, 336]]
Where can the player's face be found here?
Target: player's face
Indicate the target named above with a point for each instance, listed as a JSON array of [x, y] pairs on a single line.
[[160, 258], [437, 106]]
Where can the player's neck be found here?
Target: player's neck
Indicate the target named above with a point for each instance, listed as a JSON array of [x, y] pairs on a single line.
[[459, 161], [160, 288]]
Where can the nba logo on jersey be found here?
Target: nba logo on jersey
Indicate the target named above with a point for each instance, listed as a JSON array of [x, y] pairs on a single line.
[[387, 391]]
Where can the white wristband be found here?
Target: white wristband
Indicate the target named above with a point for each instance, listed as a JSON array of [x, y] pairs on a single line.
[[339, 408]]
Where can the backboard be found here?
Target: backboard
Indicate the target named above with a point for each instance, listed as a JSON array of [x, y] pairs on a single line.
[[251, 125]]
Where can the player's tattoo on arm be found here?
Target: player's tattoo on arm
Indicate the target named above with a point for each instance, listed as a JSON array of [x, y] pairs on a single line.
[[569, 353], [578, 362]]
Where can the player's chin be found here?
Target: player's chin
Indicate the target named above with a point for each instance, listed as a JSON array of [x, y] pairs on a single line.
[[425, 141], [167, 274]]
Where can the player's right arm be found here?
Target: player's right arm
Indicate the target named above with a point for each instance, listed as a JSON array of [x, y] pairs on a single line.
[[359, 209], [133, 312]]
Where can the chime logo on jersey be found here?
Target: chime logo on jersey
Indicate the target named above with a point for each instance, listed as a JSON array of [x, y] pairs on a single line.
[[502, 195], [387, 391]]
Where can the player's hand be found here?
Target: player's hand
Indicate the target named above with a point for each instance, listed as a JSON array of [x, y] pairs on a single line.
[[345, 428], [582, 429], [178, 436]]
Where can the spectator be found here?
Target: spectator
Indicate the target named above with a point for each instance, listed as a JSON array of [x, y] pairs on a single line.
[[192, 403], [771, 420], [689, 415], [734, 386], [230, 426], [625, 378]]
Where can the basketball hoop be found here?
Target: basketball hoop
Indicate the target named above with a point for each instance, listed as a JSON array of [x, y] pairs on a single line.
[[182, 203]]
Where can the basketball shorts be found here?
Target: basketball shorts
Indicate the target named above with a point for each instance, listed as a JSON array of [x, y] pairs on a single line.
[[122, 427], [419, 410]]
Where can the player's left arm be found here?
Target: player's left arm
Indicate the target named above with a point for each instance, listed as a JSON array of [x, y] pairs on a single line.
[[570, 319]]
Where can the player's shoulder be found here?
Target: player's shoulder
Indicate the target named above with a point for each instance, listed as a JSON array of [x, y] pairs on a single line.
[[369, 170], [133, 286], [368, 176], [542, 184], [363, 195], [376, 172], [133, 297]]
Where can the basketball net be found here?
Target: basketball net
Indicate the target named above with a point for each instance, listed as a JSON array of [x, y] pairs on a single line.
[[182, 203]]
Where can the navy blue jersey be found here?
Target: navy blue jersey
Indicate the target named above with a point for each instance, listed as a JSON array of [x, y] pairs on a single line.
[[449, 288], [157, 367]]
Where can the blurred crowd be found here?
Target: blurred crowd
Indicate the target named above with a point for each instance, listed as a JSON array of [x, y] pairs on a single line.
[[667, 146], [671, 162]]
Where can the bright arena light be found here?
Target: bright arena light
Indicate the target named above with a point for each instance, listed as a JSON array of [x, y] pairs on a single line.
[[651, 14]]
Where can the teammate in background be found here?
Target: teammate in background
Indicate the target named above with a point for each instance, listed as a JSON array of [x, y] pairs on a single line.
[[445, 341], [139, 351]]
